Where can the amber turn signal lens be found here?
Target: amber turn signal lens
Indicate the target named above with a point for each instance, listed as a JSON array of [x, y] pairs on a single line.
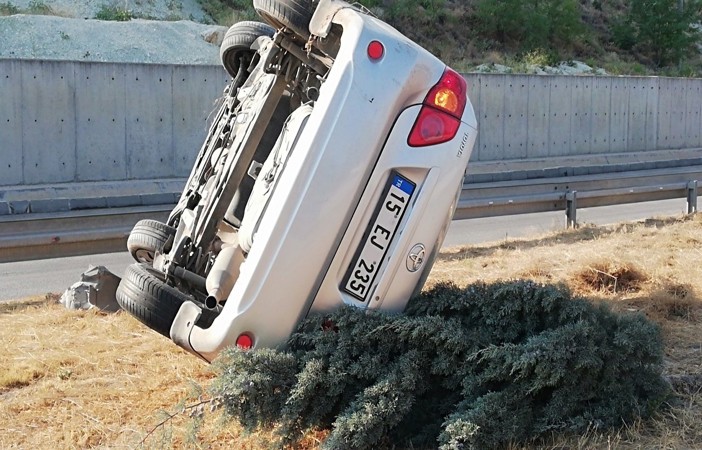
[[447, 99]]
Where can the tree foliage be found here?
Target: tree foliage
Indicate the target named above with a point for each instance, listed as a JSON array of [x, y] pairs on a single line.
[[661, 29], [530, 24], [472, 368]]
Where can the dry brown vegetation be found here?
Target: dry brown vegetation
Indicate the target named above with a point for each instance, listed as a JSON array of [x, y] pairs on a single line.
[[88, 380]]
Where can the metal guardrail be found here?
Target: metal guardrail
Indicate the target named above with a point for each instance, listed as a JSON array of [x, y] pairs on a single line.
[[569, 193], [37, 236]]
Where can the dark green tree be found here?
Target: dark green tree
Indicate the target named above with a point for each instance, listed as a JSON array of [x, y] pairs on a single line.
[[663, 30], [470, 368], [530, 24]]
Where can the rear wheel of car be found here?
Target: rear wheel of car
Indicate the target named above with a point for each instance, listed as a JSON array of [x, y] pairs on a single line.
[[144, 294], [146, 237], [237, 43], [294, 15]]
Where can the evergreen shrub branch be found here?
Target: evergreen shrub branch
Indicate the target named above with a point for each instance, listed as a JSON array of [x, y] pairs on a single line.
[[468, 368]]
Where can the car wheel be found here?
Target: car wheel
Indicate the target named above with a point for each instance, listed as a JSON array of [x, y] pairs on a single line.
[[146, 237], [144, 294], [294, 15], [237, 42]]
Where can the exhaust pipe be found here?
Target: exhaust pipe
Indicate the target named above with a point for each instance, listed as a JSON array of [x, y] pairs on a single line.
[[223, 275]]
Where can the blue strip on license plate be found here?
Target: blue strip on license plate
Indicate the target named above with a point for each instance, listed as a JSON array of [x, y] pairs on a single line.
[[378, 237]]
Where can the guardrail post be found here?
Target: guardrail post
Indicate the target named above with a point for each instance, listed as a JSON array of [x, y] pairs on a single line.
[[571, 209], [692, 197]]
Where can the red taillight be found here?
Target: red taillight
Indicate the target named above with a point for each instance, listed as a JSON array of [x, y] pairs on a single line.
[[375, 50], [244, 341], [440, 116], [433, 127]]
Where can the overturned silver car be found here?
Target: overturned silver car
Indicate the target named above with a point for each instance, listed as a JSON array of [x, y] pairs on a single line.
[[329, 177]]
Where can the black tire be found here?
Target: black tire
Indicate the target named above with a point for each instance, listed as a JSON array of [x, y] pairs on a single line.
[[144, 294], [237, 42], [146, 237], [294, 15]]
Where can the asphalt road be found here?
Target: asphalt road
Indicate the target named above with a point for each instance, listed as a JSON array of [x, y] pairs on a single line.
[[488, 229], [30, 278]]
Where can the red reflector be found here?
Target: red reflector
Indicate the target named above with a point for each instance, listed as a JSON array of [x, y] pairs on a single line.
[[375, 50], [244, 341], [440, 116]]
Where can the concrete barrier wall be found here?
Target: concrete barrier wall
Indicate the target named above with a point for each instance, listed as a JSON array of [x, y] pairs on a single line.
[[64, 122], [73, 122], [535, 116]]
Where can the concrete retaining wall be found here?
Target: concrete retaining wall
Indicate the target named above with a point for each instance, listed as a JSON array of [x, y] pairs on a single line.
[[63, 122], [73, 122], [533, 116]]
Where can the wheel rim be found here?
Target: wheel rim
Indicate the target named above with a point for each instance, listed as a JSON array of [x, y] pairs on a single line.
[[143, 255]]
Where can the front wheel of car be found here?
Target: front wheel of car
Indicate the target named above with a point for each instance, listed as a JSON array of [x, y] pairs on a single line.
[[294, 15], [145, 295], [238, 41]]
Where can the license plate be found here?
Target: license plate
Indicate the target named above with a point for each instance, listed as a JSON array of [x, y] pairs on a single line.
[[378, 237]]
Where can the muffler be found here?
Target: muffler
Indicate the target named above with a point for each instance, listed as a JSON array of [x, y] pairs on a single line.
[[223, 275]]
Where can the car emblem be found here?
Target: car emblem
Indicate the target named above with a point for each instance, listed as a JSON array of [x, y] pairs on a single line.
[[415, 259]]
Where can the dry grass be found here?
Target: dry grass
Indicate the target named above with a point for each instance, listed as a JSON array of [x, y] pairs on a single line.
[[87, 380], [81, 379], [651, 266]]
